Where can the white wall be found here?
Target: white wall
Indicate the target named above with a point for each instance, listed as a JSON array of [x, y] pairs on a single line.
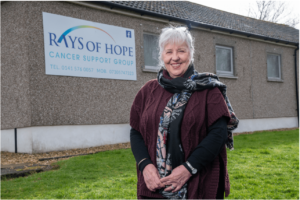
[[250, 125], [8, 140], [57, 138]]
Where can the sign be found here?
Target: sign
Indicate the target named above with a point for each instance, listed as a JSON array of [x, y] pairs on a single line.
[[75, 47]]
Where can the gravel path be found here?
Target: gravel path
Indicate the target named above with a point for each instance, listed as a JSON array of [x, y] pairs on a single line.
[[8, 158]]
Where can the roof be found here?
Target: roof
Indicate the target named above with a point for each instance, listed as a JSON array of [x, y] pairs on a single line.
[[203, 16]]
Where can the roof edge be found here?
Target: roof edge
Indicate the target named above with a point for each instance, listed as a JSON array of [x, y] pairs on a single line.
[[197, 24]]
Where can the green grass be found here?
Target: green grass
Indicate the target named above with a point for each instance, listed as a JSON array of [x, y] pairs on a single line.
[[104, 175], [263, 165]]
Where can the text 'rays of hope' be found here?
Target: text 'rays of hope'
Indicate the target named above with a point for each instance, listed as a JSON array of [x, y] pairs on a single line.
[[91, 47]]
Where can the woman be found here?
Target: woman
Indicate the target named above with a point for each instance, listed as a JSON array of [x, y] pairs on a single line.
[[180, 124]]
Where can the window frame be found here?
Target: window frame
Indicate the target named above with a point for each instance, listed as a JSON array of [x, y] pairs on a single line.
[[279, 63], [147, 68], [225, 73]]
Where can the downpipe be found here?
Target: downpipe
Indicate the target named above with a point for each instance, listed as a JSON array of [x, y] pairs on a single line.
[[16, 146], [297, 98]]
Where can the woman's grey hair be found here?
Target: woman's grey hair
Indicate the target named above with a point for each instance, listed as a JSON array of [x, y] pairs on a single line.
[[176, 35]]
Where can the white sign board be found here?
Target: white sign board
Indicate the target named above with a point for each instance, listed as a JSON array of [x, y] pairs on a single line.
[[75, 47]]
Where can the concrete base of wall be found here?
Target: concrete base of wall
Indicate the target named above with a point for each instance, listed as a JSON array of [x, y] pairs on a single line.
[[250, 125], [58, 138]]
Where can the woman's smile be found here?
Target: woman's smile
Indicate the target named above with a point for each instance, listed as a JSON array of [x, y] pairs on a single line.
[[176, 65]]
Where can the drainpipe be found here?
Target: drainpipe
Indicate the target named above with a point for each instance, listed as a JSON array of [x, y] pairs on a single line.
[[297, 99], [16, 147]]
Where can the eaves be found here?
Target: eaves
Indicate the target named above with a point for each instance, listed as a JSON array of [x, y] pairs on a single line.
[[144, 14]]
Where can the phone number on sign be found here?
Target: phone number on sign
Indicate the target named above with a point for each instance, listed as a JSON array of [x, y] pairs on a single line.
[[121, 72], [80, 69], [88, 69]]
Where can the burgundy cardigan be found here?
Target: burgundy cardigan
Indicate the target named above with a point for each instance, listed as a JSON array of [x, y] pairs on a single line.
[[202, 110]]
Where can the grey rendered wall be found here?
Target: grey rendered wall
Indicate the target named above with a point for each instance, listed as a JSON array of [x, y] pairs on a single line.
[[238, 90], [251, 94], [15, 63], [273, 99], [58, 100]]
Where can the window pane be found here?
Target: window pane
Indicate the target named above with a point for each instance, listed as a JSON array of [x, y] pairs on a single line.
[[223, 59], [151, 50], [273, 66]]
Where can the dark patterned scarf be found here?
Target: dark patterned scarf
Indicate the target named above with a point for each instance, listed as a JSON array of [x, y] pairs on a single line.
[[169, 152]]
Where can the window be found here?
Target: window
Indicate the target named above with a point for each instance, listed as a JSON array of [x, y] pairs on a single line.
[[151, 51], [273, 65], [224, 61]]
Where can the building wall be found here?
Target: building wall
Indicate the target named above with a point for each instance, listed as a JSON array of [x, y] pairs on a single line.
[[31, 98], [15, 64], [239, 90], [251, 94], [273, 99]]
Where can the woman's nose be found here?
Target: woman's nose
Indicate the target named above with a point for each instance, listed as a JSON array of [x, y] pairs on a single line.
[[175, 57]]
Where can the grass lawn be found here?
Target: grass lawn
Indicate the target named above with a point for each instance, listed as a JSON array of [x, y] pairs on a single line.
[[263, 165]]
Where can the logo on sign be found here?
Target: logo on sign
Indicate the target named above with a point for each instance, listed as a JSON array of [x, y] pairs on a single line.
[[128, 34], [79, 27]]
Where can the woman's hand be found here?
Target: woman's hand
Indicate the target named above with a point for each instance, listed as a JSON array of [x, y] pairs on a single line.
[[152, 178], [179, 176]]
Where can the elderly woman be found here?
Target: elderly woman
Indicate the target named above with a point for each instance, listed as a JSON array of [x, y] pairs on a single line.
[[180, 123]]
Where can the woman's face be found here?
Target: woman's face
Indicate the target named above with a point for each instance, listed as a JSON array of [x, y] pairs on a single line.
[[176, 58]]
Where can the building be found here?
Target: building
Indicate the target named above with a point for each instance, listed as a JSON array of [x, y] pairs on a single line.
[[42, 112]]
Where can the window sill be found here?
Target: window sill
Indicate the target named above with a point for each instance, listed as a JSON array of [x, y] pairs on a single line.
[[227, 76], [153, 70], [275, 80]]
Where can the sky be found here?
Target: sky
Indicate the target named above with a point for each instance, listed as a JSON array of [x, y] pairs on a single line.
[[241, 6]]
